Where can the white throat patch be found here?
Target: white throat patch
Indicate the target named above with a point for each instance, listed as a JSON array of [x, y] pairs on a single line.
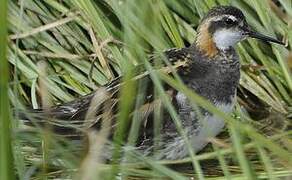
[[226, 38]]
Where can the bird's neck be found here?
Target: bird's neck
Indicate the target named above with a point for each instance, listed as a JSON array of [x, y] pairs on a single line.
[[215, 44], [215, 78], [205, 42]]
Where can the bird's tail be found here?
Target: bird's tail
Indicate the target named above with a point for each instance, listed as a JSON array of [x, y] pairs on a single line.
[[65, 119]]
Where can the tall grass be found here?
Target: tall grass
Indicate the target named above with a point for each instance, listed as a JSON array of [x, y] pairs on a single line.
[[7, 170], [88, 43]]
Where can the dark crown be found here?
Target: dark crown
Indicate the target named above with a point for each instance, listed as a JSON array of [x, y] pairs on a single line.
[[221, 13]]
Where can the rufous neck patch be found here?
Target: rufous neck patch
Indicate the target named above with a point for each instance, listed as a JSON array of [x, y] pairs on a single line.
[[205, 41]]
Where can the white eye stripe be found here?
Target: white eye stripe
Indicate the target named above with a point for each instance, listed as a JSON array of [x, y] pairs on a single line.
[[218, 18], [233, 18]]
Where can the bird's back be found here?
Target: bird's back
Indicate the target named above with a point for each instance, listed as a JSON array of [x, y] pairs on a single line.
[[199, 73]]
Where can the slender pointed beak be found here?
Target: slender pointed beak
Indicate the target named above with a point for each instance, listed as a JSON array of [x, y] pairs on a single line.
[[257, 35]]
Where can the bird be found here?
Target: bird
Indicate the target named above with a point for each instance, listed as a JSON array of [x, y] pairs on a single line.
[[211, 69]]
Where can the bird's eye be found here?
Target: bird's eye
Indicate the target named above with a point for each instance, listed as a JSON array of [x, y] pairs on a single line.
[[229, 21]]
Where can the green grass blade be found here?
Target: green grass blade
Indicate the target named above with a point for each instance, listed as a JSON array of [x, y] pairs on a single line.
[[243, 161], [6, 151]]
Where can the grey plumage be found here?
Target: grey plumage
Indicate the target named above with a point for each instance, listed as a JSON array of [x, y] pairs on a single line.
[[216, 79], [211, 69]]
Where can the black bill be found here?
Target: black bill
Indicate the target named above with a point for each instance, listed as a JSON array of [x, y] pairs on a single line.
[[257, 35]]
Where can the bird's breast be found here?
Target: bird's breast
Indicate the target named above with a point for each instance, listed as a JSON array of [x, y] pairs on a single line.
[[199, 130]]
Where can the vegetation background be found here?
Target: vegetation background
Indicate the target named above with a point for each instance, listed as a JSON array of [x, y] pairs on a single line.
[[66, 49]]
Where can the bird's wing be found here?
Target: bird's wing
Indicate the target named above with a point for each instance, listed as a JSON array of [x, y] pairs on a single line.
[[76, 115]]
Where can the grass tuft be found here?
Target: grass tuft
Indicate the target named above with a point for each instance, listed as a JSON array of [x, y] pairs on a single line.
[[86, 44]]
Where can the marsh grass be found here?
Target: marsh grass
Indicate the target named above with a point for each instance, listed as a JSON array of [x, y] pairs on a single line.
[[6, 152], [86, 44]]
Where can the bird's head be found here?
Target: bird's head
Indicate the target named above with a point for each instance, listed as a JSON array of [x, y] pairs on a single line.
[[222, 28]]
